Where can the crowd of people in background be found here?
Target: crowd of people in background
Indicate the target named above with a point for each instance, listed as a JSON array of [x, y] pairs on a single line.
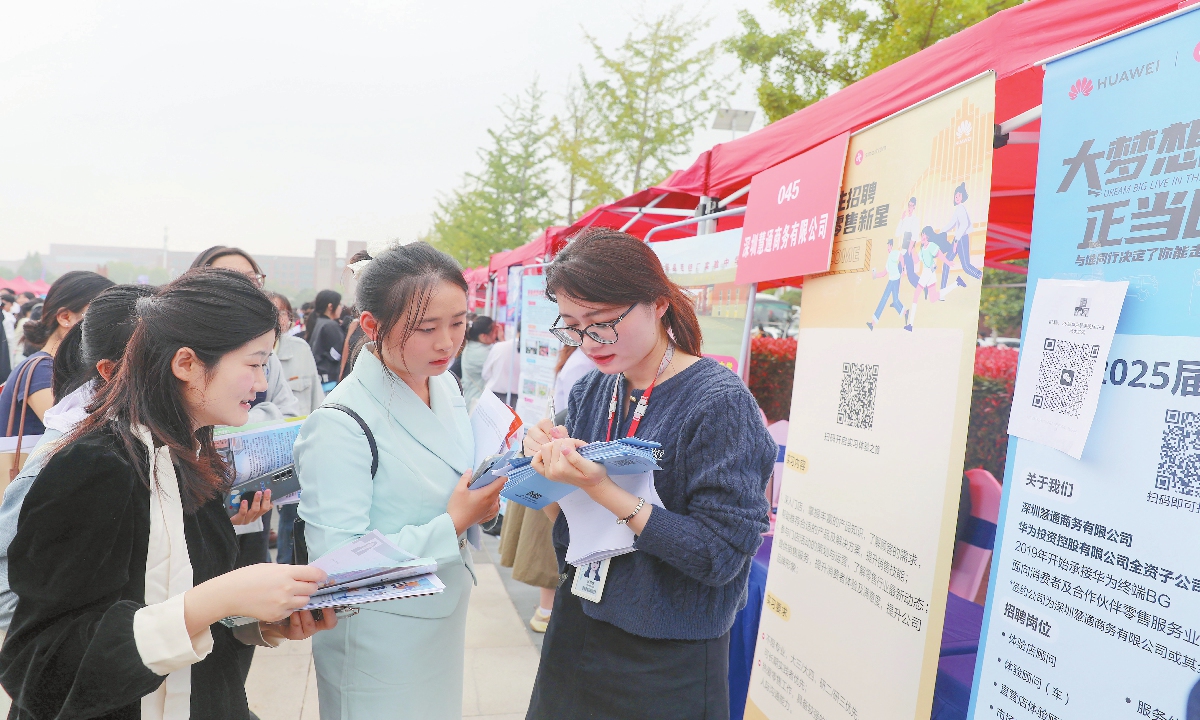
[[122, 565]]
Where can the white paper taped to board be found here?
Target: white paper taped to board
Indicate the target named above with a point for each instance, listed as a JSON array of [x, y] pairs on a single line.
[[1067, 339]]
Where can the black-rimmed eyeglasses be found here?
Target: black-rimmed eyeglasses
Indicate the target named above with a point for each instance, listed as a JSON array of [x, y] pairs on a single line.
[[604, 333]]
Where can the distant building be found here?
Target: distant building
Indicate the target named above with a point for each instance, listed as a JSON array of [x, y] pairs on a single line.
[[322, 270]]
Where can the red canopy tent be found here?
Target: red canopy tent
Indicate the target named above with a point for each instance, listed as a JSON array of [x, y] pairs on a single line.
[[531, 252], [650, 208], [20, 285], [1011, 43]]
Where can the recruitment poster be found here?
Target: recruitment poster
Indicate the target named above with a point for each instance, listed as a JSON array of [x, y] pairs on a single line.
[[512, 300], [539, 348], [1094, 603], [705, 267], [860, 565], [790, 215]]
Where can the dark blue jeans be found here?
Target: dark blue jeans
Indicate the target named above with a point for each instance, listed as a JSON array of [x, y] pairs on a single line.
[[283, 541]]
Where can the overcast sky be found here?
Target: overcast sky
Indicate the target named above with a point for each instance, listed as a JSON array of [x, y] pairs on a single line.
[[270, 124]]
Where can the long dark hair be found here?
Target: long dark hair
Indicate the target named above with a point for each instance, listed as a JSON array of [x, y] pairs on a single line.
[[102, 334], [398, 285], [481, 325], [72, 291], [211, 311], [606, 266], [324, 300]]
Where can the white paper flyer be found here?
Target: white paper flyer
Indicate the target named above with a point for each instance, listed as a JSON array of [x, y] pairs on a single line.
[[1067, 339]]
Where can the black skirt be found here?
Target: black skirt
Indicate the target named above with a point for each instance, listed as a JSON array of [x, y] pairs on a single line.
[[594, 670]]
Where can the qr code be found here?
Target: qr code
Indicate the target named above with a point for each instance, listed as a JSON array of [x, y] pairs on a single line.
[[1179, 457], [856, 404], [1063, 376]]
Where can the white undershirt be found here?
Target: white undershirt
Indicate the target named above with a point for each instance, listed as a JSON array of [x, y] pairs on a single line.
[[159, 629]]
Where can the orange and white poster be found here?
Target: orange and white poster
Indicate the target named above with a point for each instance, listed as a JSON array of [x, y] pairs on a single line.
[[860, 564]]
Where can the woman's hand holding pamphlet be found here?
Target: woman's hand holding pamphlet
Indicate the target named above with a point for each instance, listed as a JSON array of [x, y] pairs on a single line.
[[366, 570], [627, 456], [372, 569]]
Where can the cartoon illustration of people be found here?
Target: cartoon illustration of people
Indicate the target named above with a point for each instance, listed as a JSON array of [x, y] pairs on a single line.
[[956, 240], [894, 270], [925, 255], [907, 234]]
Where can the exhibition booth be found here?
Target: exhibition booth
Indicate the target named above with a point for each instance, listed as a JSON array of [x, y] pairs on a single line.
[[1071, 588]]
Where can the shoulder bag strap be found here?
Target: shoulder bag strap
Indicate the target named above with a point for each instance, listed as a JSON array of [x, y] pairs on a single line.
[[28, 371], [366, 430], [299, 542]]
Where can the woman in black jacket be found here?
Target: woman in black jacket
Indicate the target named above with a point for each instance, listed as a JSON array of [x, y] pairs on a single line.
[[123, 561], [325, 336]]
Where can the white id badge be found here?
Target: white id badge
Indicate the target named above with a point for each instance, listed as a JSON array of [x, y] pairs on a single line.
[[589, 580]]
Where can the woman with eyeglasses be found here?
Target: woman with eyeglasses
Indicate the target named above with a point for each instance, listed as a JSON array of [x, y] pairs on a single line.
[[653, 639], [275, 403]]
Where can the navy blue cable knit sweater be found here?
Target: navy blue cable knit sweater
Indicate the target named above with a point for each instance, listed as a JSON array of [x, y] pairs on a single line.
[[688, 579]]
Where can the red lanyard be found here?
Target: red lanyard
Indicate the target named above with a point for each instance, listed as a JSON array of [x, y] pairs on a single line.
[[643, 401]]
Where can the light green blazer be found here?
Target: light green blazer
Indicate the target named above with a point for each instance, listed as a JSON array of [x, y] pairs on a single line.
[[422, 453]]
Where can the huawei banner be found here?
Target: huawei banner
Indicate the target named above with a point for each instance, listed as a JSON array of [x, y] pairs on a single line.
[[1094, 603], [860, 564], [789, 224]]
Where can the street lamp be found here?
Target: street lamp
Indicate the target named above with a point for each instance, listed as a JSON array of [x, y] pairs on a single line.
[[734, 121]]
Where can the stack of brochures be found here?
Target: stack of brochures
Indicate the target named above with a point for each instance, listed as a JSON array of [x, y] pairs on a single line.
[[366, 570], [372, 569], [627, 456]]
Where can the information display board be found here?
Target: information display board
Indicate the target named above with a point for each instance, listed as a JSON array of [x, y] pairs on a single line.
[[860, 564], [705, 266], [1094, 604], [539, 348]]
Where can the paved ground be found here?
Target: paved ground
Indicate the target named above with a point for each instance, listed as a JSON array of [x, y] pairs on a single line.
[[501, 658]]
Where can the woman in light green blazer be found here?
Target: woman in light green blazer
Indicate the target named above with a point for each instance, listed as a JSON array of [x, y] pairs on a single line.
[[401, 658]]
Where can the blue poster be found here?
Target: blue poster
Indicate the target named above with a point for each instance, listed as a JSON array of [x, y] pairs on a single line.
[[1093, 607]]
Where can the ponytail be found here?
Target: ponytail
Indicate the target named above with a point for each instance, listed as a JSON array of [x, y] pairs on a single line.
[[73, 291], [69, 370], [606, 266]]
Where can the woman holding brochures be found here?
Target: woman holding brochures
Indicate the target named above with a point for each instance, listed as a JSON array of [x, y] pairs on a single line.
[[123, 560], [647, 634], [399, 658]]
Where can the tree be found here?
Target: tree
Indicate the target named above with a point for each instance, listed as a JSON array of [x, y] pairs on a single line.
[[31, 268], [797, 69], [578, 147], [509, 201], [651, 95]]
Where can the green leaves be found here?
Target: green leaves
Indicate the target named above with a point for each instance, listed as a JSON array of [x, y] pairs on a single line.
[[509, 201], [829, 44], [652, 93], [622, 129]]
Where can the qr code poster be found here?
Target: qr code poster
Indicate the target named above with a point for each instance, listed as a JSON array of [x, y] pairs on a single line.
[[856, 400], [1064, 374], [1179, 457], [1067, 338]]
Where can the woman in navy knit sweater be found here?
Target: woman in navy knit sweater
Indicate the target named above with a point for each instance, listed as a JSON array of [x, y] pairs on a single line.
[[653, 641]]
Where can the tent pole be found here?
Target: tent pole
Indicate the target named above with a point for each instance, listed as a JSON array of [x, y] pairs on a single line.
[[734, 196], [744, 355], [670, 226], [642, 212]]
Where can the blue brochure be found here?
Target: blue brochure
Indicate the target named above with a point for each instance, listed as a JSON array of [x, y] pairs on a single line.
[[627, 456]]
